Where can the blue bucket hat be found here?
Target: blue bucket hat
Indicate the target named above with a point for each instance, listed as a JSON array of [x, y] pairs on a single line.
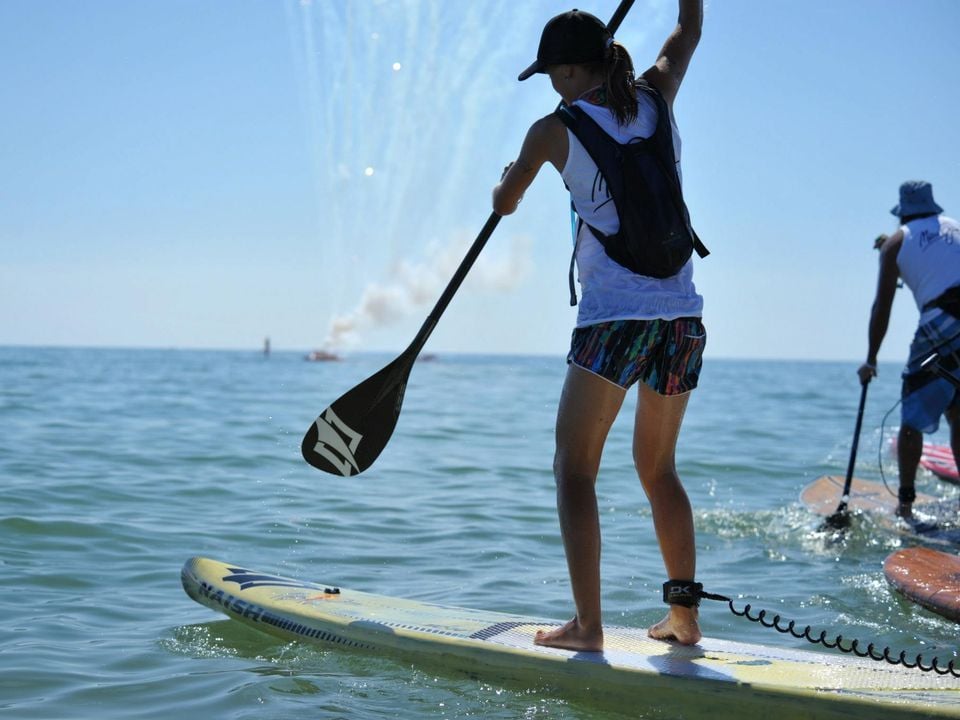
[[916, 198]]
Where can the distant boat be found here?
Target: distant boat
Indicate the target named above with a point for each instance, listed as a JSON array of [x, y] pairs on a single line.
[[322, 356]]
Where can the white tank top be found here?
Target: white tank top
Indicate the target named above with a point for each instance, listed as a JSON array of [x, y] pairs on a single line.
[[929, 259], [610, 291]]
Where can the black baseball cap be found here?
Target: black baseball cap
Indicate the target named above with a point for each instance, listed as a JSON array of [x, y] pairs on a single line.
[[570, 38]]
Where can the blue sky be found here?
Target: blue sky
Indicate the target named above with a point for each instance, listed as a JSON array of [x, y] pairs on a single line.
[[183, 174]]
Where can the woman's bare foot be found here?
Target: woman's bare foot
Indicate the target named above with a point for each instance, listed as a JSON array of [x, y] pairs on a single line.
[[680, 624], [571, 636]]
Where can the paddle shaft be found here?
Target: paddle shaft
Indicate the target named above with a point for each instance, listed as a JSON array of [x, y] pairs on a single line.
[[434, 317], [474, 252], [853, 451]]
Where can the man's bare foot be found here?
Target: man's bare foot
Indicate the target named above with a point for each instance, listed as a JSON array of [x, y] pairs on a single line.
[[571, 636], [680, 624]]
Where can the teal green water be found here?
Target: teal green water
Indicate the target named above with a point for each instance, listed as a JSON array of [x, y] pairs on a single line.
[[118, 465]]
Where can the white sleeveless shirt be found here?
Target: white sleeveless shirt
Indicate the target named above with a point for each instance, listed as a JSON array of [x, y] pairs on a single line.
[[929, 259], [610, 291]]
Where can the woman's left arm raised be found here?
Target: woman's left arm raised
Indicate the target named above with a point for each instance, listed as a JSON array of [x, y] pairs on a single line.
[[668, 71]]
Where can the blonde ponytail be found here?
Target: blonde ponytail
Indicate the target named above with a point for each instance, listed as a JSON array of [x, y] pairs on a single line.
[[619, 83]]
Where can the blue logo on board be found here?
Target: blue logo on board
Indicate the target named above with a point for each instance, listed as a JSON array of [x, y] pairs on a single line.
[[248, 579]]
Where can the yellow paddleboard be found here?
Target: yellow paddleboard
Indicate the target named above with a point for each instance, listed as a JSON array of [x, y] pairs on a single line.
[[714, 679]]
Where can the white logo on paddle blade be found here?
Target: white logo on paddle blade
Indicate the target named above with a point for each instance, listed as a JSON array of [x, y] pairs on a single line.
[[337, 442]]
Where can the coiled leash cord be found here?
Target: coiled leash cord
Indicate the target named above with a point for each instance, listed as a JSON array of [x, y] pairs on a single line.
[[689, 594]]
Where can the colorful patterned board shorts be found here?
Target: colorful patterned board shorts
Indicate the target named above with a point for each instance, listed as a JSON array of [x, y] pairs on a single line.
[[925, 395], [666, 355]]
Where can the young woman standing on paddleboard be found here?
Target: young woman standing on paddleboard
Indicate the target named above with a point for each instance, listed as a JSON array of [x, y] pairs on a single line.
[[631, 328]]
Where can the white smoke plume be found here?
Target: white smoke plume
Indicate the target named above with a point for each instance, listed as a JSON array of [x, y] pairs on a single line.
[[415, 286]]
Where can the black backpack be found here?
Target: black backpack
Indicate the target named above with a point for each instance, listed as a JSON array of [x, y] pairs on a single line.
[[655, 236]]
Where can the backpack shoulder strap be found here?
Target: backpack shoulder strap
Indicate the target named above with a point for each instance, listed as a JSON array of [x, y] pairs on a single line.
[[665, 131], [649, 89], [566, 114], [588, 132], [602, 149]]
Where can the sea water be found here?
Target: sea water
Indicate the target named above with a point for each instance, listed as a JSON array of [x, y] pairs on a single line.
[[118, 465]]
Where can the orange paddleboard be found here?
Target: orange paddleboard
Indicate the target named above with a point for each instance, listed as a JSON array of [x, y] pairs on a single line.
[[823, 496], [935, 520], [928, 577]]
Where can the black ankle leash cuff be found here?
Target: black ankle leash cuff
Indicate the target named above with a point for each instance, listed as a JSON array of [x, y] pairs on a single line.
[[906, 495], [682, 592]]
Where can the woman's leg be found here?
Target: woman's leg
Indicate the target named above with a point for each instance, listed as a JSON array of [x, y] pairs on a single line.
[[654, 443], [588, 407]]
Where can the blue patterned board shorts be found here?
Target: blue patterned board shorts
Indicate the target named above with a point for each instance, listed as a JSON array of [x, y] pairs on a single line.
[[925, 395], [666, 355]]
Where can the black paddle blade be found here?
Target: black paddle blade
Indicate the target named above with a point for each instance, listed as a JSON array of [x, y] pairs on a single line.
[[840, 520], [348, 436]]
